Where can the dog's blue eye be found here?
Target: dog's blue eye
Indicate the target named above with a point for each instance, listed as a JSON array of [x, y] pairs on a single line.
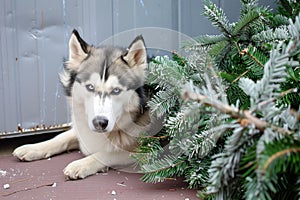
[[90, 87], [116, 91]]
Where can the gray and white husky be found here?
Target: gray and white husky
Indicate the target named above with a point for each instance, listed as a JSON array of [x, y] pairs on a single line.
[[104, 86]]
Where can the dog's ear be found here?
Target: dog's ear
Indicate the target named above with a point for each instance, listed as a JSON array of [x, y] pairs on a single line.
[[78, 50], [136, 53]]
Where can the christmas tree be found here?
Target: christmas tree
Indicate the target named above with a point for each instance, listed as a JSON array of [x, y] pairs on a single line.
[[231, 108]]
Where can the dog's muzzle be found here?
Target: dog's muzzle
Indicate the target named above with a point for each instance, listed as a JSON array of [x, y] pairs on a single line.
[[100, 123]]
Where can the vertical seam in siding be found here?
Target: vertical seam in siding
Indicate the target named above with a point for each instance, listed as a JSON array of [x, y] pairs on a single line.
[[17, 69]]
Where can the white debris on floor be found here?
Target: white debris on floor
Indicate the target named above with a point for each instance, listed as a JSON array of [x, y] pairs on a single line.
[[6, 186], [121, 184], [3, 172]]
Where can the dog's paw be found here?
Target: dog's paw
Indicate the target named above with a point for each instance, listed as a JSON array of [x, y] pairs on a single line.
[[80, 169], [30, 152], [77, 170]]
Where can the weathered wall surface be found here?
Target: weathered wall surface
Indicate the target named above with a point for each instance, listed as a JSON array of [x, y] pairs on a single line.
[[34, 36]]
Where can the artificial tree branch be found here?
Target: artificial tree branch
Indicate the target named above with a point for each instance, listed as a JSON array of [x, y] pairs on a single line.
[[284, 93], [243, 52], [244, 116], [280, 154], [254, 59], [241, 75], [287, 7]]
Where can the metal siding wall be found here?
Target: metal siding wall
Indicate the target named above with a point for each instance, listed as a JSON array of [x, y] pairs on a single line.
[[192, 23], [9, 98], [232, 7], [32, 50], [34, 38]]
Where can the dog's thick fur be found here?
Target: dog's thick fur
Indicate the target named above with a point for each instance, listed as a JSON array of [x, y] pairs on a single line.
[[104, 86]]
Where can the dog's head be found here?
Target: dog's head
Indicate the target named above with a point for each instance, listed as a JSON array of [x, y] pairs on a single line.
[[105, 81]]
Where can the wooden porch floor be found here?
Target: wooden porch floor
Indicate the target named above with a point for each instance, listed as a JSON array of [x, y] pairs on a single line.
[[44, 179]]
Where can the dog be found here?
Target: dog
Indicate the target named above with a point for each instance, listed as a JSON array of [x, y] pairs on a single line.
[[104, 87]]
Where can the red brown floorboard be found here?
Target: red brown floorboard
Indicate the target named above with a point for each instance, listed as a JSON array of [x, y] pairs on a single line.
[[34, 180]]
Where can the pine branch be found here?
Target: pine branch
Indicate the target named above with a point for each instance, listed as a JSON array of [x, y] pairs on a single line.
[[165, 74], [255, 61], [250, 53], [217, 17], [244, 116], [285, 152], [244, 22], [224, 165], [274, 74], [274, 164], [198, 175], [218, 49], [285, 4], [252, 157], [163, 101], [208, 40], [238, 97], [272, 36], [162, 169], [241, 75], [155, 137], [264, 103]]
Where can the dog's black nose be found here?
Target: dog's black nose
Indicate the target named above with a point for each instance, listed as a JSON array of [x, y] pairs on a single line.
[[100, 123]]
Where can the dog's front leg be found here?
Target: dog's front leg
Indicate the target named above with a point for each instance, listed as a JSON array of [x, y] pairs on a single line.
[[97, 162], [62, 142]]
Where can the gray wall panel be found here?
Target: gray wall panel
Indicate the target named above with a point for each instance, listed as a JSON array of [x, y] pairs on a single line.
[[192, 23], [34, 38], [9, 69]]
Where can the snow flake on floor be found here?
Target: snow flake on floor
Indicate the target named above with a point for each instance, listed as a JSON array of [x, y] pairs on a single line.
[[6, 186], [3, 172], [113, 192]]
